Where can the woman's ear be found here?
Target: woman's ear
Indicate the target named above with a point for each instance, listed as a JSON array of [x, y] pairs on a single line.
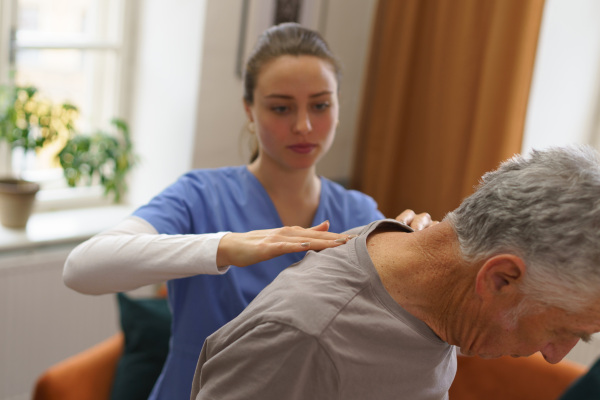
[[500, 274], [248, 110]]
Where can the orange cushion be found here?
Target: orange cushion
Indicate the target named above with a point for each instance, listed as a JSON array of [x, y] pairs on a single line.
[[87, 375], [512, 378]]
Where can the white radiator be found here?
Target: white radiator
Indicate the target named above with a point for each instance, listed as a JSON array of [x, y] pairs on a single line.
[[42, 321]]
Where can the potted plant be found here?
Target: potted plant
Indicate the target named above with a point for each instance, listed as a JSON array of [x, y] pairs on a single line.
[[29, 122], [107, 157]]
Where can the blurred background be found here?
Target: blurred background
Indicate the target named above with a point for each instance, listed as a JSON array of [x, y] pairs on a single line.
[[433, 94]]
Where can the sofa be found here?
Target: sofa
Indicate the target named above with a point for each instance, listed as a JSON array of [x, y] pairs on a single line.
[[90, 375], [122, 367], [509, 378]]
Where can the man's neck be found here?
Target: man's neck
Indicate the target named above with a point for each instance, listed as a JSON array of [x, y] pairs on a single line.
[[422, 272]]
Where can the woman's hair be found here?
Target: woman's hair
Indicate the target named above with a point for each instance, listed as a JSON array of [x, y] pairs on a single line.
[[290, 39], [286, 39], [544, 208]]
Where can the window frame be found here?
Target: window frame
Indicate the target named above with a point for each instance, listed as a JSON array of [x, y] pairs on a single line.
[[122, 47]]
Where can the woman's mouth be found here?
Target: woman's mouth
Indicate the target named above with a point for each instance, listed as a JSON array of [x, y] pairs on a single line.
[[302, 148]]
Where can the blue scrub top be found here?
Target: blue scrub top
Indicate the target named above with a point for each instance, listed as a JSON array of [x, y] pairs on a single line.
[[228, 199]]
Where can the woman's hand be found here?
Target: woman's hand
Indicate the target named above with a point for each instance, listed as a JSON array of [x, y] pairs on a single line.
[[242, 249], [416, 221]]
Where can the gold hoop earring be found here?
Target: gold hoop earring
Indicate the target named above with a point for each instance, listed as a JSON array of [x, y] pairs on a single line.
[[251, 126]]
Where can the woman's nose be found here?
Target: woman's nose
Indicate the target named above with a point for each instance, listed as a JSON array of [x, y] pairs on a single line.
[[302, 124]]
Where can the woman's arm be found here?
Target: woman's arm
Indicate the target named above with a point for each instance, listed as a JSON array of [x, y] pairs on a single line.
[[133, 254]]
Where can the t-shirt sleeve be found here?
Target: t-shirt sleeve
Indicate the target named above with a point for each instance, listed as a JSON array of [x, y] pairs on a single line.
[[170, 211], [272, 361]]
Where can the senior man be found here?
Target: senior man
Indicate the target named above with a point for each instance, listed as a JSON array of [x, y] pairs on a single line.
[[513, 271]]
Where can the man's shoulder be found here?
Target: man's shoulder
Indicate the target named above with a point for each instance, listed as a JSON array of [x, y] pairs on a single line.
[[309, 294], [381, 223]]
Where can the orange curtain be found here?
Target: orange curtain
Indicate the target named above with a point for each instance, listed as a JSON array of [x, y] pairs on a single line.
[[445, 98]]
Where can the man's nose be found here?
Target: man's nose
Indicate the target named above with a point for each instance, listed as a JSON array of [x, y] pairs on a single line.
[[554, 352]]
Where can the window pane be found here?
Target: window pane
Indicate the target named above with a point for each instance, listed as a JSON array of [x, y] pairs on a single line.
[[83, 70], [43, 19], [84, 78]]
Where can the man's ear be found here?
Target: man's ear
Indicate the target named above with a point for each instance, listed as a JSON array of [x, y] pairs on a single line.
[[500, 274]]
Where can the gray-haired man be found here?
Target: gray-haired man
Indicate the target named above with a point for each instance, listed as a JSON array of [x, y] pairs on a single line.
[[513, 271]]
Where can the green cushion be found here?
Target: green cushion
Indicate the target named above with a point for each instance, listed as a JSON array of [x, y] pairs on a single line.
[[587, 387], [146, 324]]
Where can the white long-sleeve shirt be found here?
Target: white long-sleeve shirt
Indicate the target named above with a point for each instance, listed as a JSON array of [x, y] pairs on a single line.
[[133, 254]]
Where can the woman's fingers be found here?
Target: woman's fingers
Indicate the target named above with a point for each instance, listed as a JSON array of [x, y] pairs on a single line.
[[416, 221], [323, 226], [242, 249], [406, 216], [314, 243], [315, 238], [421, 221]]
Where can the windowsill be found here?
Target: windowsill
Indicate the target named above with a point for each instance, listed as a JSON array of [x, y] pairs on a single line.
[[61, 227], [70, 198]]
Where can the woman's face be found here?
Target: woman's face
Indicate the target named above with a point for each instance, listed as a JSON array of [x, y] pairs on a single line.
[[295, 111]]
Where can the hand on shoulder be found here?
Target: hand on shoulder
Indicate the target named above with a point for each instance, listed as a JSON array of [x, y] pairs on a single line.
[[243, 249], [416, 221]]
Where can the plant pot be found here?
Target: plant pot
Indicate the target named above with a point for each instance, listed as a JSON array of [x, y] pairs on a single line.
[[16, 201]]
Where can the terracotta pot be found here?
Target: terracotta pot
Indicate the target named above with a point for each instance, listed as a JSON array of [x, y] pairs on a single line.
[[16, 201]]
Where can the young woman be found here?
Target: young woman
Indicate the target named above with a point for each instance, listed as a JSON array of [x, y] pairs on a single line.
[[291, 100]]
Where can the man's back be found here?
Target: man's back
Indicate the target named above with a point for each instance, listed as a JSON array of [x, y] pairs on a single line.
[[326, 329]]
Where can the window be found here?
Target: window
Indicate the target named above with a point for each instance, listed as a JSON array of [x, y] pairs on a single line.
[[73, 51]]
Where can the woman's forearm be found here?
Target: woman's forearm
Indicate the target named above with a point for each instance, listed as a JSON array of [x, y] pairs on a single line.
[[133, 255]]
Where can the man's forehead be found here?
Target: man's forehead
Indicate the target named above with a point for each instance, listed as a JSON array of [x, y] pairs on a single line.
[[585, 322]]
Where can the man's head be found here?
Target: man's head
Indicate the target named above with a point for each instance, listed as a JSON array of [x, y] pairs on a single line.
[[533, 227]]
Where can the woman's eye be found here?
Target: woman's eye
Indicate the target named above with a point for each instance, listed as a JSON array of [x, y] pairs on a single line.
[[322, 106], [279, 109]]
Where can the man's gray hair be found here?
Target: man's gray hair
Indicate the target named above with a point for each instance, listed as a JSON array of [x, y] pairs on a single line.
[[544, 208]]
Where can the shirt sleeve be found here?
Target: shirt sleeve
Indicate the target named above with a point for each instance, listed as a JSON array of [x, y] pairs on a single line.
[[133, 255], [272, 361]]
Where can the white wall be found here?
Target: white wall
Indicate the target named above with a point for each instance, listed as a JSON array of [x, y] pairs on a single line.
[[564, 100], [220, 115], [165, 92]]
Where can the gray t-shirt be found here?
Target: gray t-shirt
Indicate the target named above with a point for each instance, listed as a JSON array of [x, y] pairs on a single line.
[[326, 328]]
